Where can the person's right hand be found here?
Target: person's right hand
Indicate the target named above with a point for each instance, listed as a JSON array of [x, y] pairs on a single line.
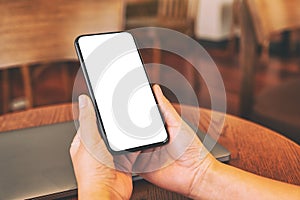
[[184, 175]]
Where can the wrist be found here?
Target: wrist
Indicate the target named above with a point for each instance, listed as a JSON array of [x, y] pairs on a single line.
[[96, 191], [201, 188]]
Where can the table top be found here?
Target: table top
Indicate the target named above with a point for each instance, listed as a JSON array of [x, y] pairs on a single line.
[[253, 148]]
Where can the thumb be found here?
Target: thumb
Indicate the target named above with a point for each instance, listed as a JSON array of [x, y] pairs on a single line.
[[170, 115], [88, 124], [87, 116], [89, 134]]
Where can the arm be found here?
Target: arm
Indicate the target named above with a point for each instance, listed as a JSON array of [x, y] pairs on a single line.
[[207, 178], [225, 182]]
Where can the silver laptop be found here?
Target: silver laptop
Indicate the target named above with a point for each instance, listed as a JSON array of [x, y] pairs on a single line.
[[35, 162]]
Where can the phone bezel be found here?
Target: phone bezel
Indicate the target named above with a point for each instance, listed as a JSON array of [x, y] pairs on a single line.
[[91, 93]]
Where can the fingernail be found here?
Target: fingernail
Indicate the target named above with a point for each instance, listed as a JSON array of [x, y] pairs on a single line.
[[82, 101]]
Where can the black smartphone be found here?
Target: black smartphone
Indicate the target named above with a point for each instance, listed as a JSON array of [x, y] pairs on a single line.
[[127, 113]]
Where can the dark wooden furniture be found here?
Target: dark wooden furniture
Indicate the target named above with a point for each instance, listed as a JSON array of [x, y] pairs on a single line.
[[41, 31], [253, 148], [278, 107], [173, 14]]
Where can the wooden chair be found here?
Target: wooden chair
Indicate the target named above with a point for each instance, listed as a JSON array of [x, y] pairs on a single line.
[[277, 108], [178, 15], [40, 31]]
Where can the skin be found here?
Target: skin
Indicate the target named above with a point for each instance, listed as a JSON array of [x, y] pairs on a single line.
[[95, 180], [194, 174]]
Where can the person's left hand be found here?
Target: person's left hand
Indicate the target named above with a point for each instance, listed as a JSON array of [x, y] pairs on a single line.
[[96, 180]]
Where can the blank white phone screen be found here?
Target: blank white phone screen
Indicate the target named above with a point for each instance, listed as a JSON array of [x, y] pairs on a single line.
[[129, 113]]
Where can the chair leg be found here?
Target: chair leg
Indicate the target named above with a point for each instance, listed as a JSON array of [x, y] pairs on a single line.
[[265, 56], [27, 86], [248, 59], [66, 82], [157, 60], [5, 92]]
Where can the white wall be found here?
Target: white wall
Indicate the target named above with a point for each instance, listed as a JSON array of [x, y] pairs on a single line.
[[214, 19]]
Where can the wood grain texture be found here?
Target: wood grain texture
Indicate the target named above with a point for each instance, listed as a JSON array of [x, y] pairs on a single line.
[[43, 31], [36, 117], [253, 148]]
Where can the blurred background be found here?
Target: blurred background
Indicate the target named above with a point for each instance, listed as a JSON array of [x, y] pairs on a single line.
[[254, 43]]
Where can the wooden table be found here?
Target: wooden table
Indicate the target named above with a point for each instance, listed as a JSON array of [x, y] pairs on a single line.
[[253, 148]]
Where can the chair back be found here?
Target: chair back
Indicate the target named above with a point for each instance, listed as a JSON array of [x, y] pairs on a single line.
[[177, 9], [271, 17], [38, 31]]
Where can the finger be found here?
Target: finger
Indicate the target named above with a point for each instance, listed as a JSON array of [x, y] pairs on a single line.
[[89, 132], [75, 145], [88, 123], [87, 117], [170, 115]]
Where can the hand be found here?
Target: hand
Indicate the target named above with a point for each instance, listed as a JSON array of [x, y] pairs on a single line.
[[192, 172], [96, 180], [184, 175]]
